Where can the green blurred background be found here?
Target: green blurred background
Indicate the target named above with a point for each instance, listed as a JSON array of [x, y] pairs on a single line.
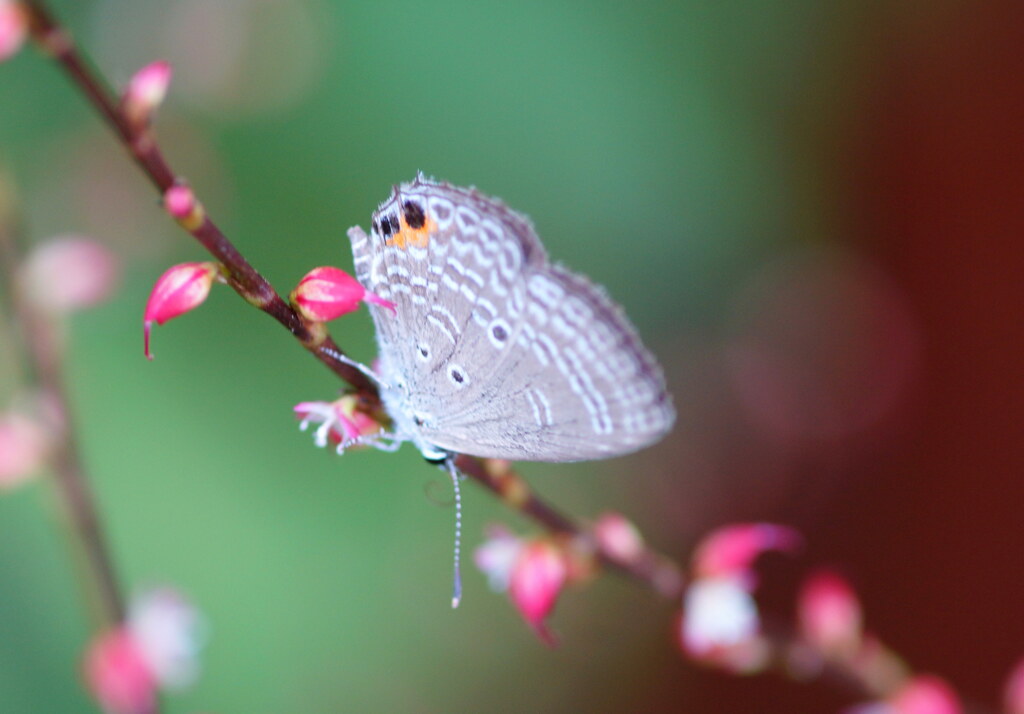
[[807, 208]]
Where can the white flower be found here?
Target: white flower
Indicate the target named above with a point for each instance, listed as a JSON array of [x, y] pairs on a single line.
[[718, 614], [168, 631]]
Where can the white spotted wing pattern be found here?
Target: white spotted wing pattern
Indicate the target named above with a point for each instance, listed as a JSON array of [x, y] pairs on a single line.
[[494, 351]]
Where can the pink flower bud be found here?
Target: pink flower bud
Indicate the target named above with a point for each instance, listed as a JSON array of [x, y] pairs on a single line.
[[618, 538], [181, 203], [180, 289], [146, 91], [497, 556], [830, 615], [537, 579], [326, 293], [731, 550], [925, 694], [13, 28], [69, 273], [1013, 694], [24, 445], [117, 674]]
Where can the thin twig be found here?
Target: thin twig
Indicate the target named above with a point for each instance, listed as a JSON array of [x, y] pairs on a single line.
[[142, 145]]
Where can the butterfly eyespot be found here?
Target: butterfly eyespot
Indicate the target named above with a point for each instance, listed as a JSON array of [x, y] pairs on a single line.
[[423, 352], [414, 215], [498, 332], [458, 376]]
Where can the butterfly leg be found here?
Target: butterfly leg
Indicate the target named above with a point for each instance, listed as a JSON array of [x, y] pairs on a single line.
[[382, 441]]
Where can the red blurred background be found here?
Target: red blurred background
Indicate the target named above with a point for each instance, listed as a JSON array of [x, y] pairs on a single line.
[[929, 526]]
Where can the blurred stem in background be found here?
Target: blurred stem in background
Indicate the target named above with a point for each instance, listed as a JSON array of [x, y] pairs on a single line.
[[43, 351]]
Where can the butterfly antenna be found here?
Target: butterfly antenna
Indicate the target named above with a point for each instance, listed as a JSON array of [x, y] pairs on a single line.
[[457, 581], [345, 359]]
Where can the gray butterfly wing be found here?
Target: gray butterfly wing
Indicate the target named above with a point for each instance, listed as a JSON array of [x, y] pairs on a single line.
[[576, 383], [502, 354]]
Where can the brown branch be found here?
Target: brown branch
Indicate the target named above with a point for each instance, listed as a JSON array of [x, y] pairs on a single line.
[[142, 145], [658, 572], [71, 485]]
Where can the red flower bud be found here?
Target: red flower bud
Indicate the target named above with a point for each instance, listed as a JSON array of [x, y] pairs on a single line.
[[145, 92], [118, 675], [180, 289], [181, 203], [13, 28], [326, 293], [830, 615], [537, 579], [731, 550]]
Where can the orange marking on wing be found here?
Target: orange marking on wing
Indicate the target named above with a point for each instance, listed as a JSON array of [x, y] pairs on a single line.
[[407, 235]]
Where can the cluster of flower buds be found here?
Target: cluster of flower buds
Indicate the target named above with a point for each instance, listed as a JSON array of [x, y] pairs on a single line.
[[326, 293], [721, 627], [185, 286], [156, 649], [831, 630], [533, 571], [13, 27]]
